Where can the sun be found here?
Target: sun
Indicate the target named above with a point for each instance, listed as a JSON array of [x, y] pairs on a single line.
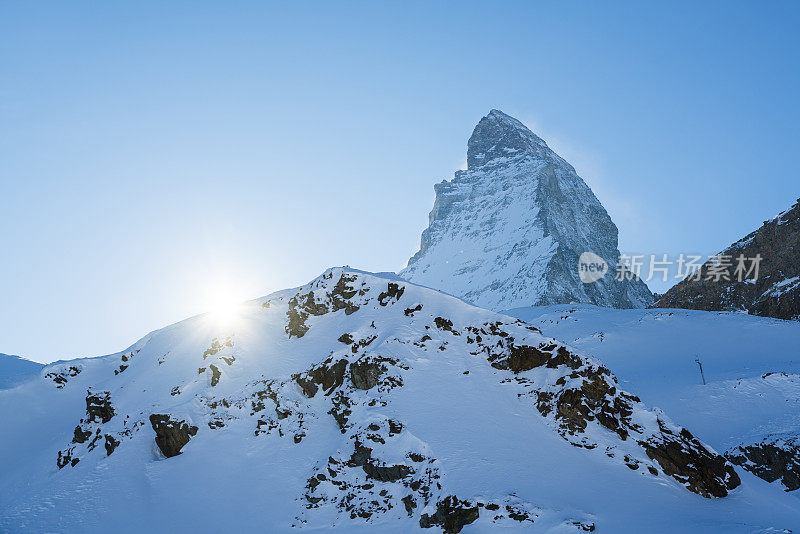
[[222, 305], [224, 312]]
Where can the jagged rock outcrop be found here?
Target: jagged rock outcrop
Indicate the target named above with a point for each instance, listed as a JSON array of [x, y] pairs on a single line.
[[451, 514], [508, 231], [774, 292], [775, 459], [680, 455], [98, 407], [171, 435]]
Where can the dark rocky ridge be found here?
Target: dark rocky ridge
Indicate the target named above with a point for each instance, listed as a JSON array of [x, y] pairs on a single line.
[[776, 292]]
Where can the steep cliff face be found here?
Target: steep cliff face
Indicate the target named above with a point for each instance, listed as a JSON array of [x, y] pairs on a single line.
[[775, 292], [508, 231]]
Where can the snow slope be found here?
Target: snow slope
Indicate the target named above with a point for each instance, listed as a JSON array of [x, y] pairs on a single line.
[[15, 370], [751, 365], [358, 402], [509, 230]]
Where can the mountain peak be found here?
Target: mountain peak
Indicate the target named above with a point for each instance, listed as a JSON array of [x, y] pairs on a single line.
[[499, 116], [510, 230], [498, 135]]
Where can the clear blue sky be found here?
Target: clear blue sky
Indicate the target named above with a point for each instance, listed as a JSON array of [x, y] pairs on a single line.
[[153, 152]]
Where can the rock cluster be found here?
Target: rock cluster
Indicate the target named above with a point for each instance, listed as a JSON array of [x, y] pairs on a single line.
[[775, 459]]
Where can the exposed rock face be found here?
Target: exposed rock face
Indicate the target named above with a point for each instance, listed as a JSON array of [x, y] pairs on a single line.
[[60, 375], [329, 375], [111, 444], [776, 291], [451, 514], [171, 436], [778, 459], [362, 457], [682, 456], [366, 374], [98, 407], [508, 231], [80, 435]]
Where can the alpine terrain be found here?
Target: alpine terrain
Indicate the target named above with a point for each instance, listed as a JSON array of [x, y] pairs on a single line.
[[15, 370], [508, 231], [746, 399], [774, 292], [360, 402]]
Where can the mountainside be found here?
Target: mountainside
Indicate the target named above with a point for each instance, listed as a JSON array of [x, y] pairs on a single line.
[[509, 230], [15, 370], [749, 406], [359, 401], [776, 291]]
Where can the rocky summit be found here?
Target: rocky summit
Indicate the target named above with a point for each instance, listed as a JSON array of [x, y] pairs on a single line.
[[772, 291], [509, 230], [357, 402]]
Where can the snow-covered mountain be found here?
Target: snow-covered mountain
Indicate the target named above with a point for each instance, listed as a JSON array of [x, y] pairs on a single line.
[[749, 406], [508, 231], [15, 370], [359, 402], [775, 292]]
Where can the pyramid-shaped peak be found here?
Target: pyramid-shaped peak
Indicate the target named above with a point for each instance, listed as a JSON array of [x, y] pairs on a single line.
[[502, 118], [509, 231], [499, 135]]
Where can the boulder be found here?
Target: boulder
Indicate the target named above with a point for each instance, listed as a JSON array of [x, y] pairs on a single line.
[[451, 515], [171, 435]]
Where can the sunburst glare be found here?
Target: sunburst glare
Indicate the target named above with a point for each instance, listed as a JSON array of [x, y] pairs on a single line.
[[223, 305]]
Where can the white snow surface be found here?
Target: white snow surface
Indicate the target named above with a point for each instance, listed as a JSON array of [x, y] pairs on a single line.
[[15, 370], [480, 432]]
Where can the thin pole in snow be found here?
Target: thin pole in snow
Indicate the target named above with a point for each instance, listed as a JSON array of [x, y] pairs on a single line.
[[701, 370]]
